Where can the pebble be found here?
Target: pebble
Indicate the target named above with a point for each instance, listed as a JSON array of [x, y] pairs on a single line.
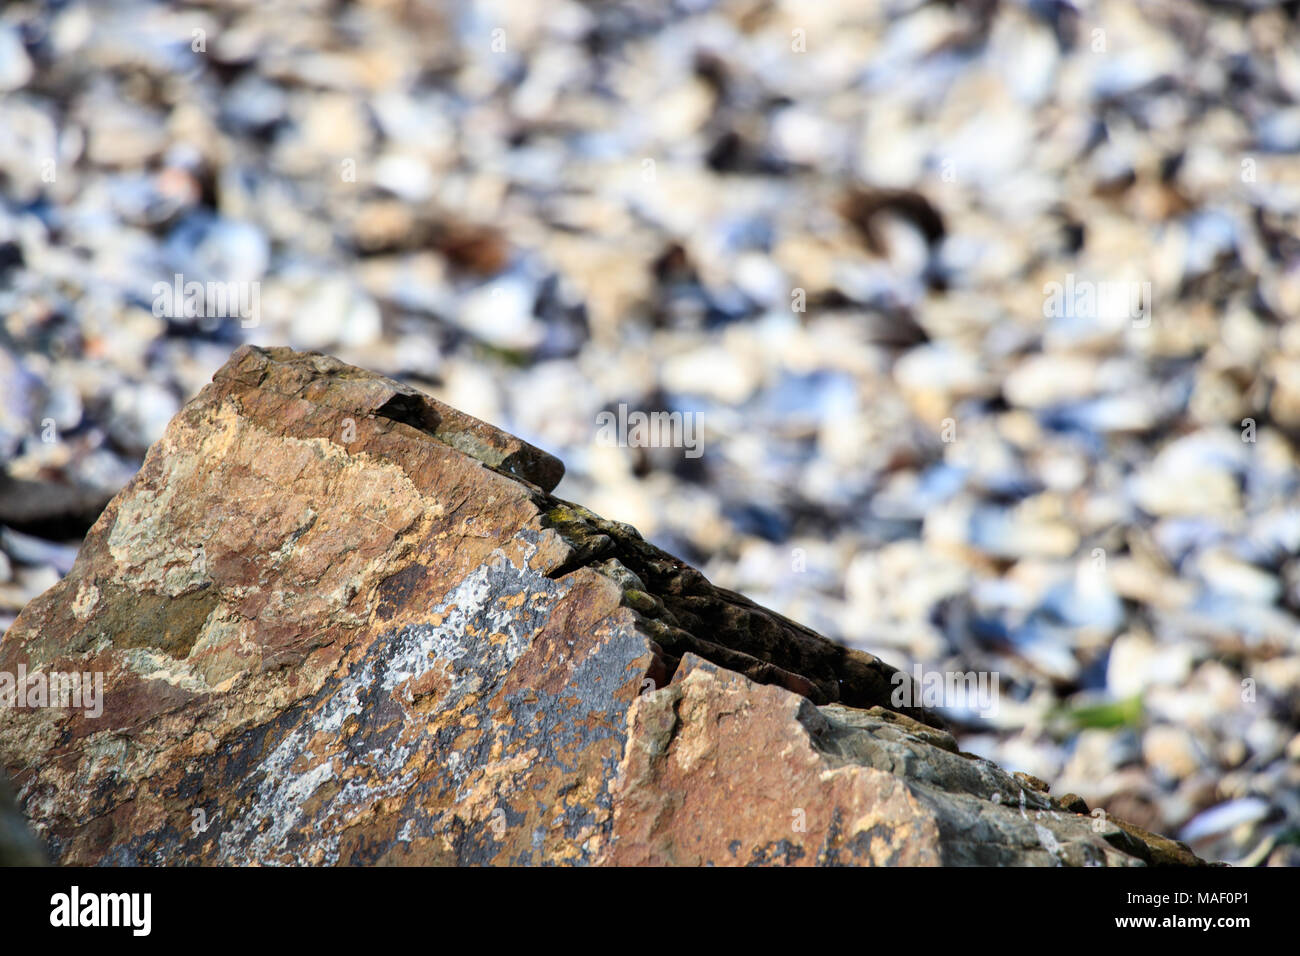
[[1224, 817], [38, 552], [15, 65], [1137, 663], [334, 314], [1172, 750], [500, 313]]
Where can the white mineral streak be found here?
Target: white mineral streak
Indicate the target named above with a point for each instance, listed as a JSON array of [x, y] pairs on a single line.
[[286, 783]]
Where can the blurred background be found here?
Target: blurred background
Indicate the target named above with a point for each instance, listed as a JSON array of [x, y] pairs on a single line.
[[830, 229]]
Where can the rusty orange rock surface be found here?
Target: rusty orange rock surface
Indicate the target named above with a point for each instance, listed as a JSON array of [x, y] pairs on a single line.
[[338, 622]]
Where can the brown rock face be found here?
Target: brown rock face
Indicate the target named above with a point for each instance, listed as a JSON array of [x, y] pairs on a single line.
[[336, 621]]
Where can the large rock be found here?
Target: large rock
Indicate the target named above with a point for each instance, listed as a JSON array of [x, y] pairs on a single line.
[[340, 622]]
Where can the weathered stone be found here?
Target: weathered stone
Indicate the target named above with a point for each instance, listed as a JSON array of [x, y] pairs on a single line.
[[721, 771], [1073, 803], [339, 622]]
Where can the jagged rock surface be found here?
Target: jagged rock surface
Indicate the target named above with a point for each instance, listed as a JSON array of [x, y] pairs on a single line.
[[340, 622]]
